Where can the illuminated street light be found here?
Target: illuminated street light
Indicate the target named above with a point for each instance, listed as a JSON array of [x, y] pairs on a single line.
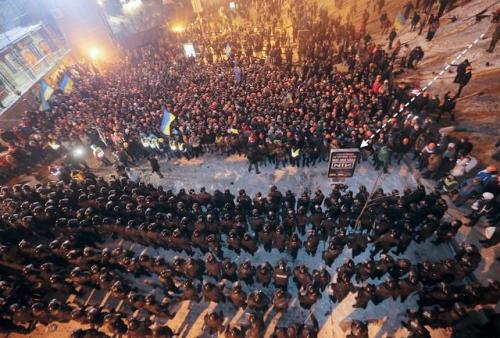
[[93, 53], [78, 152], [178, 29]]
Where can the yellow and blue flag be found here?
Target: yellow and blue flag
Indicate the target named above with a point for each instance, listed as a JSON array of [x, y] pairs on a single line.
[[166, 122], [46, 92], [400, 21], [66, 84]]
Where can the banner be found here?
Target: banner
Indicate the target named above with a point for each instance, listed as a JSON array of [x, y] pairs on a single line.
[[342, 162]]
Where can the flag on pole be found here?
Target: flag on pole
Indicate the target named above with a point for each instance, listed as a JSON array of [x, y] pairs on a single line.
[[400, 21], [46, 92], [66, 84], [44, 105], [167, 120]]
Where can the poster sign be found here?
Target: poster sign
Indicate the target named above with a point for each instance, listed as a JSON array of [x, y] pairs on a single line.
[[189, 50], [342, 162]]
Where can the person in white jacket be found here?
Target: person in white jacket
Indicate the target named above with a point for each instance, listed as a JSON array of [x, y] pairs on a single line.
[[464, 165]]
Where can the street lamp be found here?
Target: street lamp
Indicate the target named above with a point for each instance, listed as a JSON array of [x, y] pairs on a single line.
[[178, 29], [78, 152], [94, 53]]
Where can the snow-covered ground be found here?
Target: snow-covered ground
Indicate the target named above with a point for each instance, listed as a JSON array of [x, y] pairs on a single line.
[[477, 115], [232, 173]]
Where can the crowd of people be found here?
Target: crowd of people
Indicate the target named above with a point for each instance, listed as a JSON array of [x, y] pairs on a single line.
[[235, 101], [274, 95], [56, 241]]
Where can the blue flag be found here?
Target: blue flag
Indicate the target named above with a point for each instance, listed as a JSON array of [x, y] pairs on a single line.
[[237, 73]]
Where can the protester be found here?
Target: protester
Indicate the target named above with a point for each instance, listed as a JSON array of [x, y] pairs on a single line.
[[495, 33], [464, 79], [155, 166], [433, 27], [414, 21], [69, 239]]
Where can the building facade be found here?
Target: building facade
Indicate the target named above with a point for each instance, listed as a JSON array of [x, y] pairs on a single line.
[[30, 46]]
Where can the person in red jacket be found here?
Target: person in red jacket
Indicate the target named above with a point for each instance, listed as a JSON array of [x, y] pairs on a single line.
[[377, 84]]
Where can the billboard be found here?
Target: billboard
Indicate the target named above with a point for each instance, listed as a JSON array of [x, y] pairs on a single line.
[[342, 162]]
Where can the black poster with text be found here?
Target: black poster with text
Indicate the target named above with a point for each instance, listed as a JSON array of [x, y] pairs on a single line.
[[342, 162]]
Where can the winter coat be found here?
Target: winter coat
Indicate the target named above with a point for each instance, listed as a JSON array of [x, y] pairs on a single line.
[[384, 154], [433, 27], [281, 300], [460, 71], [238, 298], [463, 166], [420, 143], [341, 289], [254, 156]]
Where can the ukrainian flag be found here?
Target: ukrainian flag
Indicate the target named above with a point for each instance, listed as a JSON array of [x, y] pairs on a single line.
[[46, 92], [166, 122], [400, 21], [66, 84]]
